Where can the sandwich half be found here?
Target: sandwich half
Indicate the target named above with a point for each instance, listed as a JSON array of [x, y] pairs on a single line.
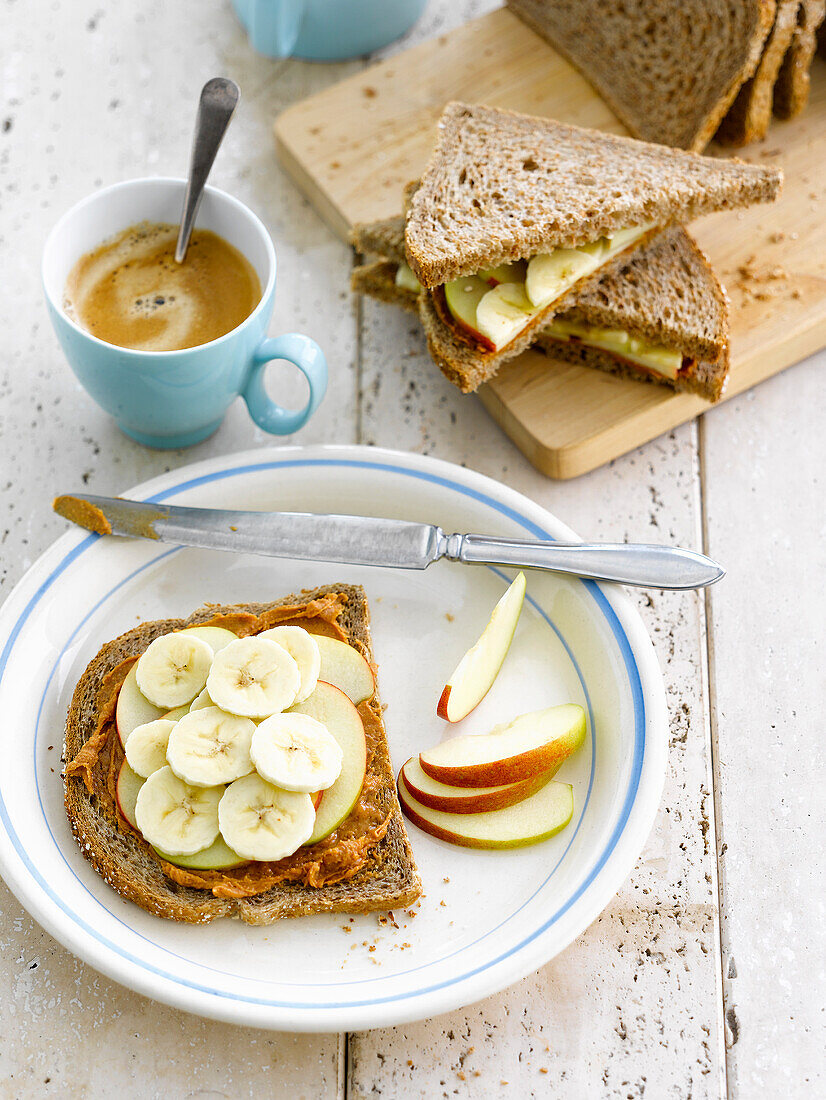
[[749, 116], [662, 318], [669, 69], [364, 864], [791, 90], [542, 210]]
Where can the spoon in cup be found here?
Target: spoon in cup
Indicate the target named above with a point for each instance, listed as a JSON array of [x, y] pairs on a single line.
[[219, 98]]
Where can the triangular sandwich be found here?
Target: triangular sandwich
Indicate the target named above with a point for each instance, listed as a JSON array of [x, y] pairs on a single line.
[[662, 318], [542, 209], [669, 71]]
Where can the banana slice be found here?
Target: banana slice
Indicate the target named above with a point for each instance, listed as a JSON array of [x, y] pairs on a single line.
[[255, 677], [209, 746], [176, 817], [296, 752], [303, 648], [260, 821], [173, 669], [146, 746], [201, 701]]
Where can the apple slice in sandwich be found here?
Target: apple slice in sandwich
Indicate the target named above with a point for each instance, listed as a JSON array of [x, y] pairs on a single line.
[[330, 706], [527, 822], [467, 800], [531, 744], [344, 667], [477, 670]]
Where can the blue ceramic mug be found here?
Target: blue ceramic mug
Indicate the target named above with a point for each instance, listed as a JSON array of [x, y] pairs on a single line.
[[177, 398], [325, 30]]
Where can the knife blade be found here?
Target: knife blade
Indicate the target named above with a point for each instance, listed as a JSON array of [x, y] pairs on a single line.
[[393, 543]]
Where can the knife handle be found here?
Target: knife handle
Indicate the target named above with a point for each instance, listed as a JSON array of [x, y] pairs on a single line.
[[627, 563]]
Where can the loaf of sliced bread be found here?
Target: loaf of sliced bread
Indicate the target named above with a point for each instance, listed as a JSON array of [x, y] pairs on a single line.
[[502, 186], [749, 116], [791, 90], [669, 69], [387, 879]]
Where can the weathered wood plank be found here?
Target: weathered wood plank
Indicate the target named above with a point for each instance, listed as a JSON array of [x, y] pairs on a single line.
[[93, 95], [576, 1003], [764, 458]]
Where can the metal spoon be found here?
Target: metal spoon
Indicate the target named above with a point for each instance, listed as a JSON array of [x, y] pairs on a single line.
[[219, 98]]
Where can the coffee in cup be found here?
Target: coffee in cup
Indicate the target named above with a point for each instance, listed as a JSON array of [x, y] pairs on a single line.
[[130, 292]]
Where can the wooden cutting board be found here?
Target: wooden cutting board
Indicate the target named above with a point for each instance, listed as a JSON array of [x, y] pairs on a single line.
[[352, 147]]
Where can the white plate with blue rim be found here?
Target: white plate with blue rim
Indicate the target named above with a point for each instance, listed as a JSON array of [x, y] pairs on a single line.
[[488, 918]]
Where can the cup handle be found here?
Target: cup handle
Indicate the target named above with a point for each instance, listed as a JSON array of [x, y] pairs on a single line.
[[305, 354], [274, 26]]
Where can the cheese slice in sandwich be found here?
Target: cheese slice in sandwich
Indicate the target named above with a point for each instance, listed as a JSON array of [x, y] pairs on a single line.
[[669, 71], [516, 215], [662, 318]]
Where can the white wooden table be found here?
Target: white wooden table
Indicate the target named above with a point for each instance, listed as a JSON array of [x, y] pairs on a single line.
[[704, 977]]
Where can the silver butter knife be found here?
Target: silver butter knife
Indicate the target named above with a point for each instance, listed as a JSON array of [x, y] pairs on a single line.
[[394, 543]]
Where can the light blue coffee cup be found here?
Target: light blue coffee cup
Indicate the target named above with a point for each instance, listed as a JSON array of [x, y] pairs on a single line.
[[325, 30], [173, 399]]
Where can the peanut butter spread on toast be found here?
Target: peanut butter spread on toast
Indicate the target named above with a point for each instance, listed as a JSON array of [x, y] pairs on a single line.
[[339, 856]]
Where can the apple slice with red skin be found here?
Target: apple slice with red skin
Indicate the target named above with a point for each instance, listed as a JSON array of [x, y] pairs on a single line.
[[480, 666], [467, 800], [523, 749], [344, 667], [526, 822], [332, 707], [134, 709]]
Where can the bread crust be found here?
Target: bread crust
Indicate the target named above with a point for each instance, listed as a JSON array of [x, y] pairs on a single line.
[[389, 877], [791, 89], [502, 186]]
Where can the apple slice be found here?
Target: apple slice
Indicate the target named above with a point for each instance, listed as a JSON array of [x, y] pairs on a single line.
[[463, 297], [134, 709], [331, 706], [216, 857], [126, 791], [467, 800], [344, 667], [523, 749], [477, 670], [505, 273], [503, 312], [534, 819]]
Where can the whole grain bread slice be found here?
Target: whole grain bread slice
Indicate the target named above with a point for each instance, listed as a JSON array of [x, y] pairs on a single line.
[[378, 280], [383, 238], [669, 69], [502, 186], [126, 862], [791, 89], [749, 116]]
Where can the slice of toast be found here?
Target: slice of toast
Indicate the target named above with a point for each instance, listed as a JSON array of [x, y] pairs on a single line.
[[749, 116], [791, 90], [502, 186], [387, 877], [668, 70]]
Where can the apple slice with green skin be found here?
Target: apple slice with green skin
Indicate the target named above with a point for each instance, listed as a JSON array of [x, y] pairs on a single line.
[[217, 857], [527, 822], [344, 667], [468, 800], [531, 744], [134, 709], [463, 297], [479, 667], [331, 706]]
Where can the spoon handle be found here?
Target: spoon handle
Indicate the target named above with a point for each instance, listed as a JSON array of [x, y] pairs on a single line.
[[219, 98]]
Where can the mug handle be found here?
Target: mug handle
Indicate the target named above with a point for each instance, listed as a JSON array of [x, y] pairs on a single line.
[[274, 26], [303, 353]]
